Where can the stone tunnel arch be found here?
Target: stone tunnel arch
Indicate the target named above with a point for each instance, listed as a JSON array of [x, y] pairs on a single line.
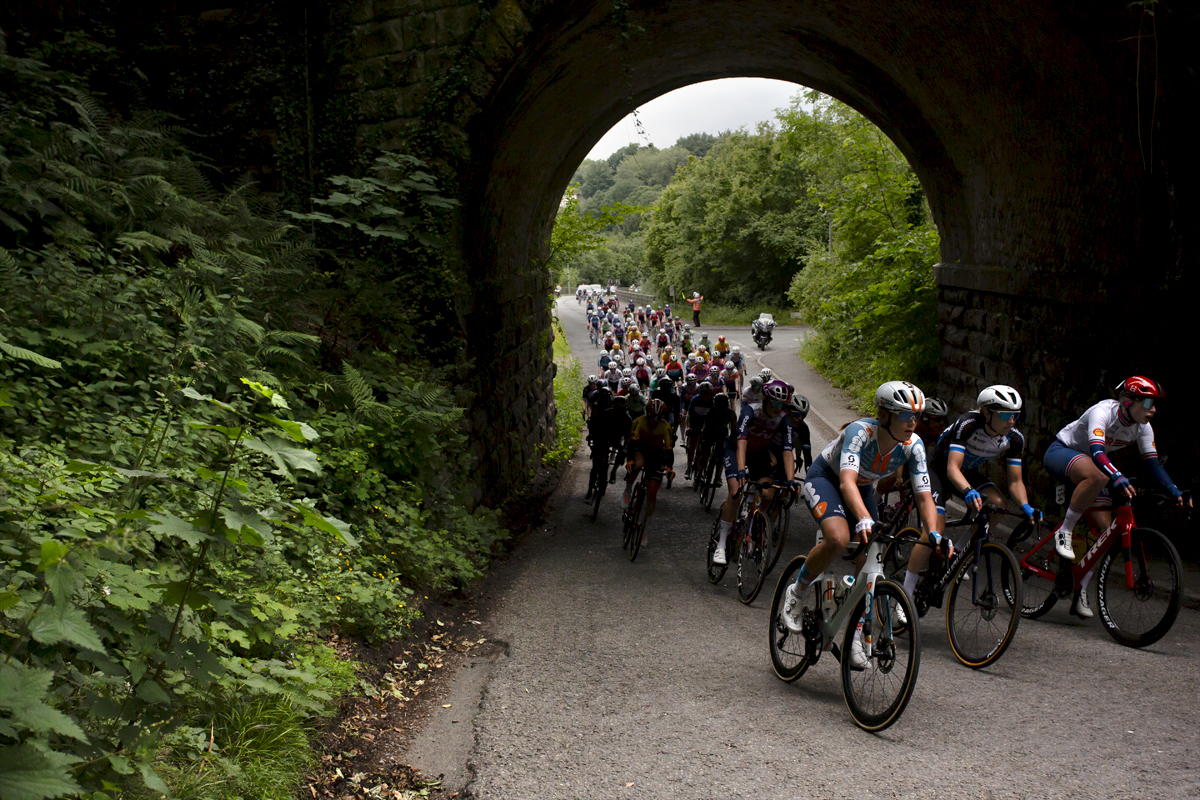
[[1022, 119]]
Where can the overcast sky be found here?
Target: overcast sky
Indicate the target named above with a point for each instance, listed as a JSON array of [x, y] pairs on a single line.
[[709, 107]]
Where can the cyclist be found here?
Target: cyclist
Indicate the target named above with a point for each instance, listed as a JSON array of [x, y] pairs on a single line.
[[797, 409], [587, 394], [865, 450], [1105, 428], [975, 438], [749, 454], [753, 391], [650, 447], [607, 428], [635, 402], [722, 346], [697, 410], [719, 424]]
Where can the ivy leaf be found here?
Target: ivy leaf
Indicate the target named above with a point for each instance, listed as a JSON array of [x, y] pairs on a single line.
[[28, 773], [22, 690], [63, 622], [168, 524]]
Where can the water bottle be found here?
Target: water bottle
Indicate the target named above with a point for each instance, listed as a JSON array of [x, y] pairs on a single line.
[[828, 603], [843, 588]]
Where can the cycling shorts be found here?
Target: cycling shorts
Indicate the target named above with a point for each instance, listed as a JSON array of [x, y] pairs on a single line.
[[758, 462], [1059, 459], [656, 460], [823, 496], [942, 489]]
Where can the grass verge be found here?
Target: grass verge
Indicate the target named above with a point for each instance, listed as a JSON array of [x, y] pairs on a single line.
[[568, 382]]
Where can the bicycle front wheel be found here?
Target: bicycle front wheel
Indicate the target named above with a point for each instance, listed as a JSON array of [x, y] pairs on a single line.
[[711, 481], [779, 533], [638, 520], [980, 621], [1039, 563], [1138, 590], [715, 571], [789, 653], [898, 552], [752, 558], [630, 516], [878, 694]]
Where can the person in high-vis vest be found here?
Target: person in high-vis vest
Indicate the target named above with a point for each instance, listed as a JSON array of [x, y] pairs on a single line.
[[696, 300]]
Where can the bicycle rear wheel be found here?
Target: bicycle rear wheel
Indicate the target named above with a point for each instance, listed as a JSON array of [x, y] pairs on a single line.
[[630, 516], [715, 571], [752, 558], [599, 484], [981, 629], [789, 656], [779, 533], [1033, 552], [877, 695], [1143, 614]]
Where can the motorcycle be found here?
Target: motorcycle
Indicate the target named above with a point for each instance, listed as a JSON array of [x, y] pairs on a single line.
[[761, 330]]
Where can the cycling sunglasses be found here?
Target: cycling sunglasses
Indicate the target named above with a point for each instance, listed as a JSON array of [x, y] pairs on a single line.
[[1148, 402], [905, 416], [1007, 416]]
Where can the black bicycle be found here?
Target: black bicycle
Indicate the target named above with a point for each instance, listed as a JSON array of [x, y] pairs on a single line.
[[602, 460], [751, 538], [984, 579]]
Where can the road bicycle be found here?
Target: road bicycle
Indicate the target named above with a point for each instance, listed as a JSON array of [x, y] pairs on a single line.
[[598, 480], [750, 540], [634, 518], [1138, 576], [984, 580], [878, 694]]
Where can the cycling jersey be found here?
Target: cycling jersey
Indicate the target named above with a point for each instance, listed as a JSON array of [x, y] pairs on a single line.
[[608, 428], [969, 436], [698, 409], [1103, 424], [651, 434], [752, 394], [758, 430], [672, 401], [857, 448]]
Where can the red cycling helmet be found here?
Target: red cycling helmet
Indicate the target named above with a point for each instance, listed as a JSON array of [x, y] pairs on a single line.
[[1137, 386], [656, 407]]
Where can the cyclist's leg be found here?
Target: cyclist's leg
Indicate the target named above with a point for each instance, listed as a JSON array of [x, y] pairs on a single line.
[[918, 561], [824, 501], [639, 462], [653, 482], [1080, 470]]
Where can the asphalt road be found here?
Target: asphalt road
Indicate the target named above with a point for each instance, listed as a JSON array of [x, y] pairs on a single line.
[[644, 680]]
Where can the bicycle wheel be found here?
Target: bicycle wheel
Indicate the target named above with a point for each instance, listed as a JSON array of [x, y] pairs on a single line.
[[639, 522], [630, 516], [711, 481], [752, 558], [1140, 615], [599, 484], [699, 466], [877, 695], [789, 653], [779, 533], [897, 554], [981, 629], [715, 571], [1037, 590]]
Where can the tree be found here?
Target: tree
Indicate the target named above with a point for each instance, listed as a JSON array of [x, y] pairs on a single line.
[[577, 232]]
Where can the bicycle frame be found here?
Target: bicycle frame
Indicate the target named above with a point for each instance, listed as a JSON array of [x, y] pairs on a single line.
[[1122, 526], [864, 586], [976, 542]]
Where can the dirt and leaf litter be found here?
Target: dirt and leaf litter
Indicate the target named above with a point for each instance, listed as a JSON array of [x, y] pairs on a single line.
[[362, 752]]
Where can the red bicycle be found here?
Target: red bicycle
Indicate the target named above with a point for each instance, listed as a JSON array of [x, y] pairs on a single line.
[[1138, 576]]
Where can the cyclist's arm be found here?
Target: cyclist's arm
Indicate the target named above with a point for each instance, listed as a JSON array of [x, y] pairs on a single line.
[[927, 511], [1016, 484], [954, 462], [1096, 424], [848, 485]]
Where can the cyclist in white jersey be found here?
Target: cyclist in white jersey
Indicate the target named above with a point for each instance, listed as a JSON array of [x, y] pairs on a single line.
[[1106, 427]]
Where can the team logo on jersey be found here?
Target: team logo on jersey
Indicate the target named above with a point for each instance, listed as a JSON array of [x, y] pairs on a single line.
[[1098, 432], [820, 509]]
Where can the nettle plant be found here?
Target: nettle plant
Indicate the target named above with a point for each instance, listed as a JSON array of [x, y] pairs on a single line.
[[114, 614]]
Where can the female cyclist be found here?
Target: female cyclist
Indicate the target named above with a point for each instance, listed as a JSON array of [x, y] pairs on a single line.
[[1106, 427], [865, 451]]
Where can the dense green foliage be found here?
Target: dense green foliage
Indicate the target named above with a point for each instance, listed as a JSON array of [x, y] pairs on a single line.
[[733, 224], [204, 465], [870, 293], [818, 212]]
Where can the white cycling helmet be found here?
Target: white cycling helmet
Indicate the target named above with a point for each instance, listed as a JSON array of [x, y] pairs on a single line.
[[1000, 397], [799, 405], [766, 374], [736, 349], [627, 372], [660, 373], [641, 362], [899, 396], [936, 408]]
